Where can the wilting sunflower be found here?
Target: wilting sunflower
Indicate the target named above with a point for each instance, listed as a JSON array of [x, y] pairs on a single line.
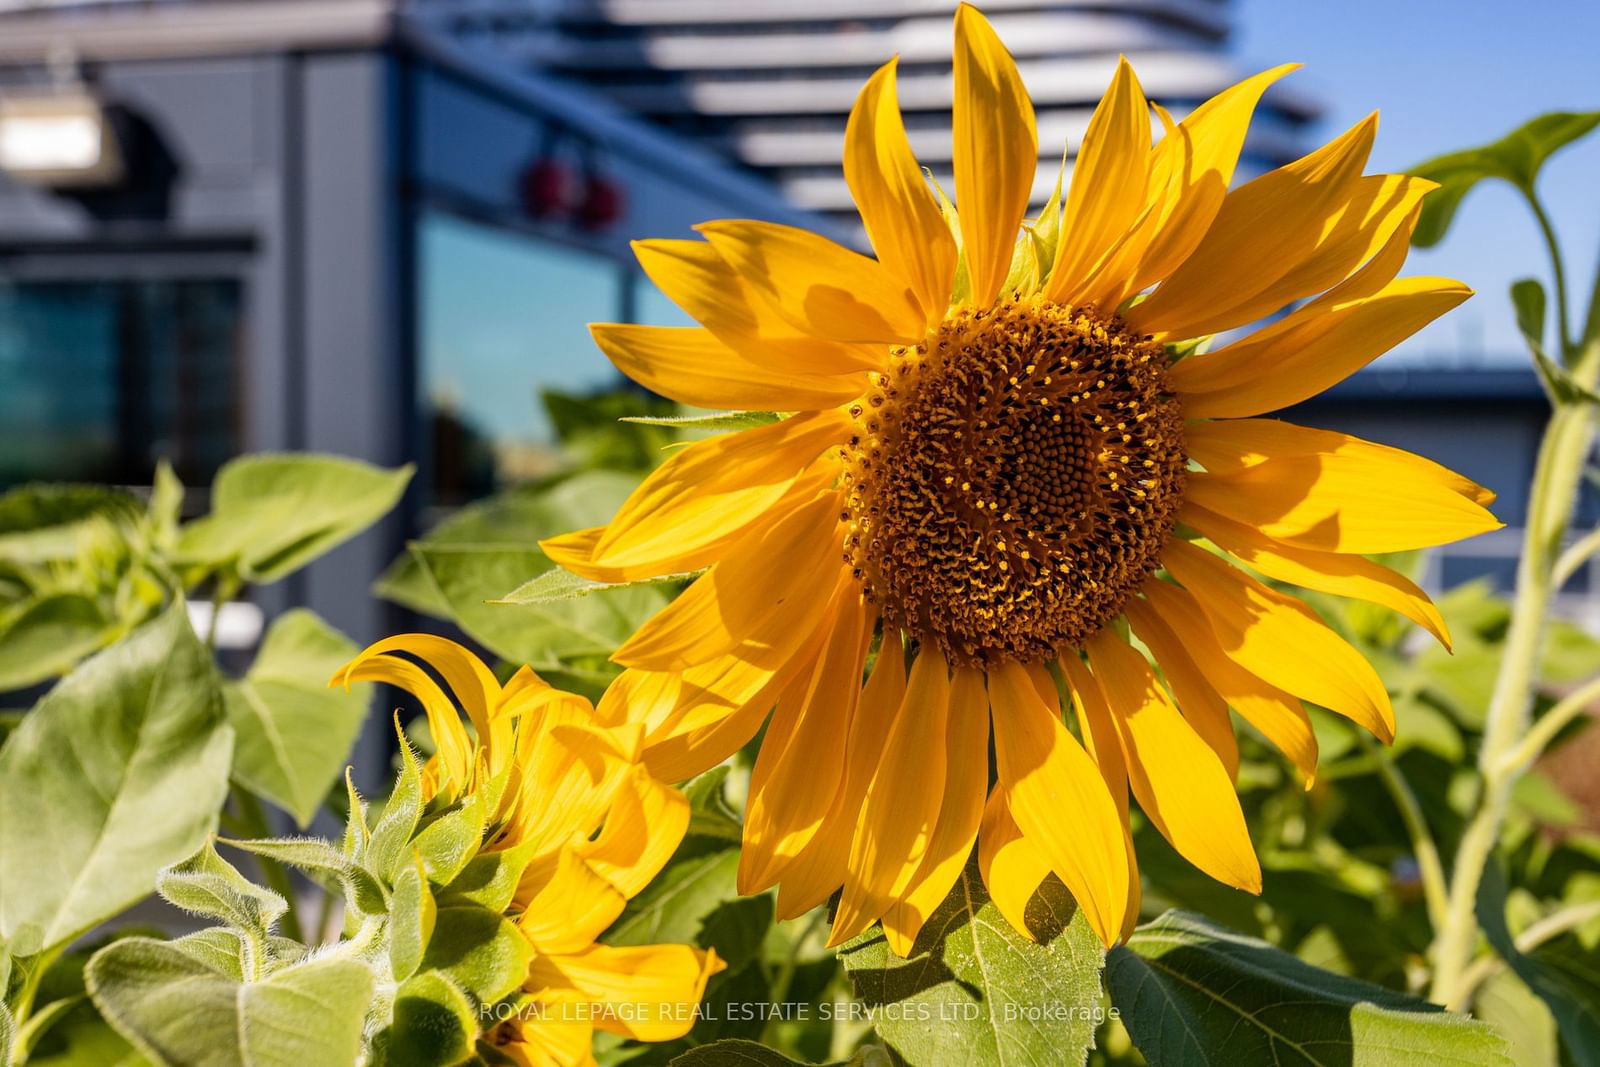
[[588, 825], [1003, 467]]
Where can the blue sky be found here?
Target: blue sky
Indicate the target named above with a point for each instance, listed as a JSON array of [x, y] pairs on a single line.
[[1449, 74]]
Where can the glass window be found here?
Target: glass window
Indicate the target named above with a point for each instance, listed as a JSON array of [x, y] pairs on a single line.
[[503, 317], [99, 379]]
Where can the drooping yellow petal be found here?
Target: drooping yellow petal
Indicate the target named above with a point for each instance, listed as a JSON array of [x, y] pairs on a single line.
[[901, 807], [802, 758], [1200, 704], [1328, 572], [1058, 798], [766, 581], [1012, 866], [899, 212], [996, 151], [1262, 231], [1278, 715], [820, 868], [966, 748], [1181, 784], [691, 366], [715, 487], [696, 278], [658, 985], [1109, 181], [818, 287], [1199, 157], [646, 821], [1281, 641], [1329, 491], [549, 1039], [450, 738], [565, 903], [1106, 747]]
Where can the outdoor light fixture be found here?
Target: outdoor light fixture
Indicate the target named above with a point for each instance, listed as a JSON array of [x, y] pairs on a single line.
[[59, 138]]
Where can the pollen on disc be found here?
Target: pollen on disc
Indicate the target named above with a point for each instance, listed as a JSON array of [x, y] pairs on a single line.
[[1012, 480]]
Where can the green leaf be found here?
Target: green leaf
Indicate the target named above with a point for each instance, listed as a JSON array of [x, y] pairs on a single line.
[[480, 950], [558, 584], [292, 732], [516, 519], [1193, 993], [974, 983], [412, 914], [1563, 974], [47, 637], [141, 727], [389, 850], [271, 514], [40, 523], [207, 885], [674, 907], [450, 840], [1515, 158], [8, 1033], [434, 1023], [1506, 1003], [165, 508], [176, 1010], [490, 878], [736, 1053], [714, 420], [1527, 296]]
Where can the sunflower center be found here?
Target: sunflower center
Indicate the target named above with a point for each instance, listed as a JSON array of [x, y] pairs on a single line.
[[1012, 480]]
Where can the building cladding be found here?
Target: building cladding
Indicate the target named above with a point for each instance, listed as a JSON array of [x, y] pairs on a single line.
[[770, 83]]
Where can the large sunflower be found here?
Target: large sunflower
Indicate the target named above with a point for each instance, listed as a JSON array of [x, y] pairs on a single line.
[[573, 809], [1003, 466]]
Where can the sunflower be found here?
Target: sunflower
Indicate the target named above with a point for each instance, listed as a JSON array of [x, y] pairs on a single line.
[[585, 821], [1005, 474]]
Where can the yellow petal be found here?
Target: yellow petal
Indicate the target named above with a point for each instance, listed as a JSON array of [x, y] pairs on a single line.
[[1012, 866], [1314, 351], [820, 868], [818, 287], [1105, 744], [802, 756], [692, 367], [1058, 798], [1278, 715], [764, 587], [966, 779], [1263, 230], [547, 1039], [1198, 158], [574, 551], [1109, 179], [1329, 572], [1325, 490], [901, 807], [899, 212], [646, 821], [996, 151], [565, 903], [696, 278], [714, 487], [1181, 784], [453, 745], [653, 988], [1281, 641], [1200, 704]]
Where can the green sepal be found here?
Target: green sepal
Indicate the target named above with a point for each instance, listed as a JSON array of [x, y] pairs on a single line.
[[490, 878], [412, 913], [389, 849], [435, 1022], [481, 950], [449, 841], [205, 884]]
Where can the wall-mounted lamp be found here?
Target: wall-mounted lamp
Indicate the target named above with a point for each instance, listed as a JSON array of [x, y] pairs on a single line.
[[60, 138]]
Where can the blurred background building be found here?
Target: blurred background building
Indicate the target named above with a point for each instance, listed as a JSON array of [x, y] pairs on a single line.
[[378, 228]]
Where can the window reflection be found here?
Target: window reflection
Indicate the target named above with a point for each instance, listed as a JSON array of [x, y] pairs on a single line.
[[502, 317], [100, 379]]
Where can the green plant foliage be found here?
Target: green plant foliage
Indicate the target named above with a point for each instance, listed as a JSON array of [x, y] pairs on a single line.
[[974, 982], [293, 731], [141, 726], [176, 1008], [1193, 993], [271, 514], [1516, 158]]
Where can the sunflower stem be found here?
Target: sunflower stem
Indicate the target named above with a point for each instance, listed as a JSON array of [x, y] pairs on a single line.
[[1435, 891], [1562, 454]]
